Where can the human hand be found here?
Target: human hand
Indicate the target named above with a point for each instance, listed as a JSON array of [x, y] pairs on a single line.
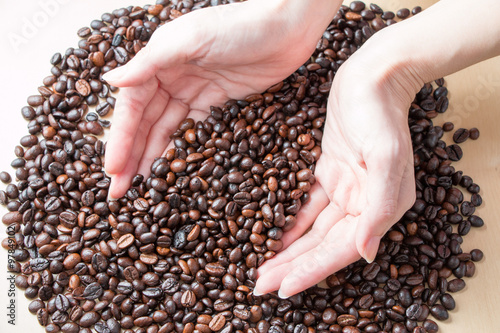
[[364, 176], [203, 58]]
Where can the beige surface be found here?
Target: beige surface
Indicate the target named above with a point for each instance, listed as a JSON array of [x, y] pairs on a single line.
[[475, 96]]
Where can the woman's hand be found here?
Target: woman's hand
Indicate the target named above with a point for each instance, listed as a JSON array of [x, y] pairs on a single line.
[[365, 174], [365, 179], [204, 58]]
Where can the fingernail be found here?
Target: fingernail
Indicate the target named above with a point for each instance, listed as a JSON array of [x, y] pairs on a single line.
[[282, 295], [371, 249], [113, 75], [111, 199], [256, 292]]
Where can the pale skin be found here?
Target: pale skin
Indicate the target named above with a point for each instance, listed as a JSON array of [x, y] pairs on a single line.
[[365, 174]]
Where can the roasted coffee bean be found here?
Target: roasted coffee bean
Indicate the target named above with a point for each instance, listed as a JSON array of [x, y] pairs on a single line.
[[461, 135], [125, 241], [456, 285], [454, 152], [180, 251], [188, 299], [92, 291], [89, 319], [5, 177], [439, 312], [447, 127], [476, 254], [217, 322], [474, 133]]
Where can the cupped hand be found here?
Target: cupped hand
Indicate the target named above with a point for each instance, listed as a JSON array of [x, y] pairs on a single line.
[[200, 59], [365, 180]]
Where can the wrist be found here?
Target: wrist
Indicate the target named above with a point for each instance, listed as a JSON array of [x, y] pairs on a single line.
[[306, 18], [385, 69], [434, 44]]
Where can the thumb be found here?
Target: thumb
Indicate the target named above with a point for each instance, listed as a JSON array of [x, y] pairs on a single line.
[[370, 230], [137, 71], [390, 191], [170, 45], [383, 206]]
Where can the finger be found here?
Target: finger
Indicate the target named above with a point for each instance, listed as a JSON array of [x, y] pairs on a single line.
[[150, 117], [268, 280], [307, 214], [142, 67], [305, 218], [159, 136], [335, 252], [384, 178], [120, 183], [167, 47], [127, 117]]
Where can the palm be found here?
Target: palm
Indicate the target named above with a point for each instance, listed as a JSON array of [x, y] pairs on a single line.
[[364, 184], [170, 80]]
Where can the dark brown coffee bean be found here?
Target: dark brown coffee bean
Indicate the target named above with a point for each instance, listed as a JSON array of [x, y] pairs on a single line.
[[346, 320], [474, 133], [454, 152], [92, 291], [439, 312], [461, 135], [42, 316], [456, 285], [370, 271], [5, 177], [188, 299], [448, 127], [476, 254], [403, 13], [88, 319]]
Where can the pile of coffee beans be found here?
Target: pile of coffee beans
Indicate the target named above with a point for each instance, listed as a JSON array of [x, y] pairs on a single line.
[[180, 251]]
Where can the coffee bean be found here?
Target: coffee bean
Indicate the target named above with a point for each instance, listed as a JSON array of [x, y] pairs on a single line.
[[92, 291], [121, 55], [5, 177], [439, 312], [125, 241], [456, 285], [181, 250], [188, 299], [447, 127], [476, 255], [461, 135], [454, 152], [357, 6], [215, 269], [178, 166], [430, 326], [88, 319], [403, 13], [4, 199], [416, 10], [83, 87], [39, 264], [346, 320], [43, 317], [217, 323], [370, 271]]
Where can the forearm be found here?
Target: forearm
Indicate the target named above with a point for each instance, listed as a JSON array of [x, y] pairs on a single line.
[[447, 37]]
